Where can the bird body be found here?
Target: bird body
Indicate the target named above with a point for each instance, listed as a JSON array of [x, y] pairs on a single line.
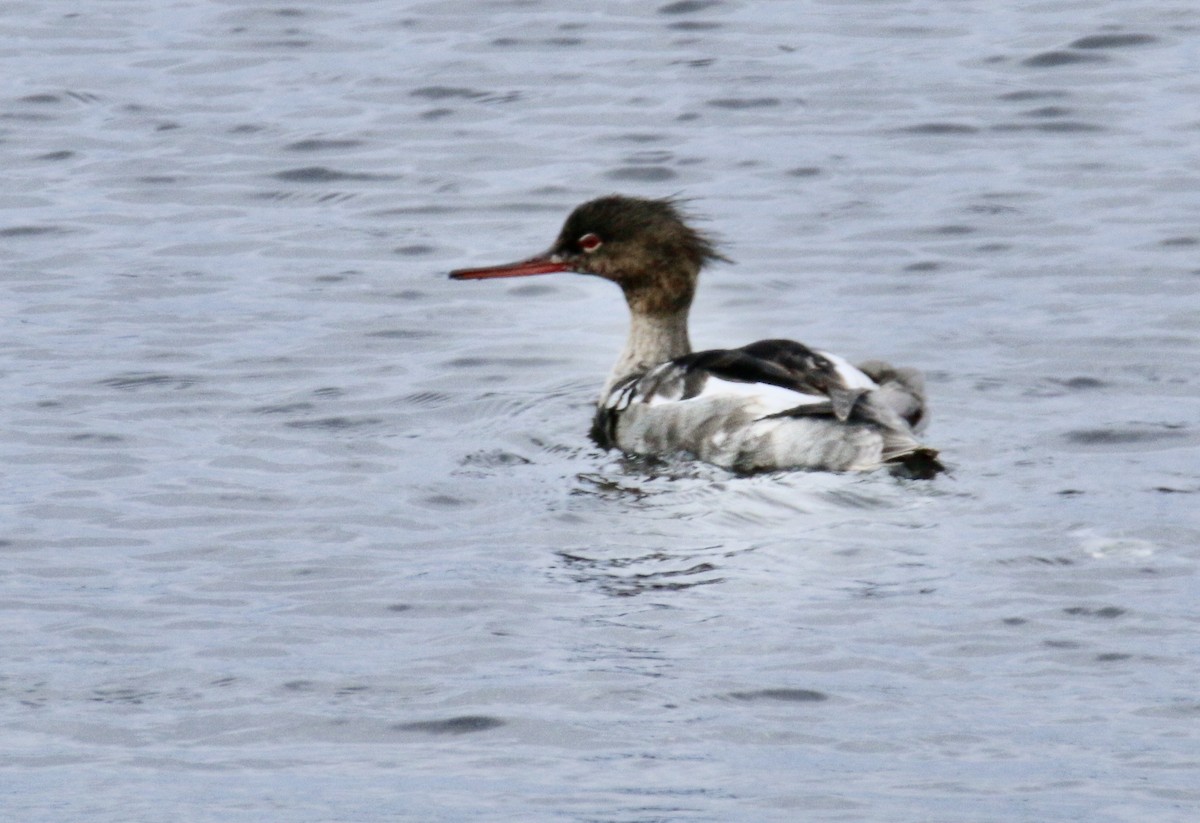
[[774, 404]]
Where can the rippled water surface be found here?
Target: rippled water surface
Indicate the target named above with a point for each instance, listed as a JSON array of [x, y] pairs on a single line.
[[296, 529]]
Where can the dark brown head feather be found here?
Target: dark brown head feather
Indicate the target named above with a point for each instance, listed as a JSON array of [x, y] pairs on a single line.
[[646, 248]]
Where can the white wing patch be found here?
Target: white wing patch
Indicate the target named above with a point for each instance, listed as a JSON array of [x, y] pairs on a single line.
[[763, 397], [852, 376], [663, 386]]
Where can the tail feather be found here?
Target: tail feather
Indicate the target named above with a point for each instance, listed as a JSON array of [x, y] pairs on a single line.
[[918, 464], [903, 390]]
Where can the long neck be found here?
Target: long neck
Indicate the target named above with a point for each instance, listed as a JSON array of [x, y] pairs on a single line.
[[653, 339]]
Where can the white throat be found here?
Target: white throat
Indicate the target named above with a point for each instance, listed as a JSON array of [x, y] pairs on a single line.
[[652, 340]]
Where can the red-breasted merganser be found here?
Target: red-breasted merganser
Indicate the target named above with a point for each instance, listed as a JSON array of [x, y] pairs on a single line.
[[774, 404]]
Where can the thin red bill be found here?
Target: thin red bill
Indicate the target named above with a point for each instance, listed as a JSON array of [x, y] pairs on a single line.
[[536, 265]]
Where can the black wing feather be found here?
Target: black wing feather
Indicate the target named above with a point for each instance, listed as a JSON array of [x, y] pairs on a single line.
[[783, 363]]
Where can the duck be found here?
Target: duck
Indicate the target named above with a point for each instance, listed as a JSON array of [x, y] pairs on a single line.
[[772, 405]]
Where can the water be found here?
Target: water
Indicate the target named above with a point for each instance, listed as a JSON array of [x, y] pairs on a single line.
[[294, 528]]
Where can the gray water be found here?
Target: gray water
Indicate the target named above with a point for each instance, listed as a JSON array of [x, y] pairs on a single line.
[[296, 529]]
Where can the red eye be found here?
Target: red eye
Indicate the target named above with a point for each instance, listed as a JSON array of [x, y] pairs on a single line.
[[590, 242]]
